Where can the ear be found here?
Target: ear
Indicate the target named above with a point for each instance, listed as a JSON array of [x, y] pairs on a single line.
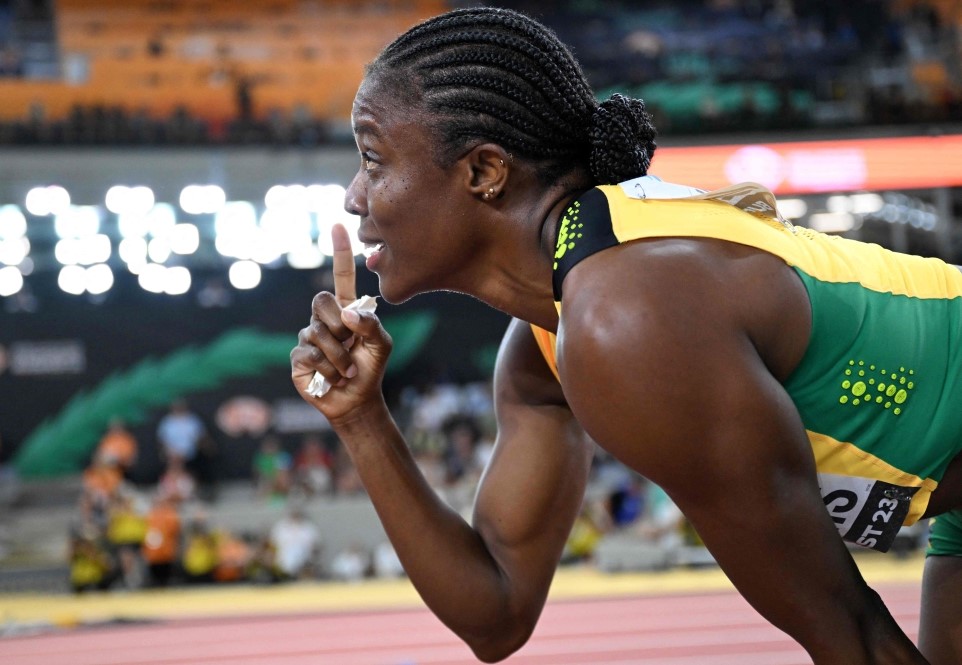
[[487, 168]]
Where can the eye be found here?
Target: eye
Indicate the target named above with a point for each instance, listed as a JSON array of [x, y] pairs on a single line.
[[367, 162]]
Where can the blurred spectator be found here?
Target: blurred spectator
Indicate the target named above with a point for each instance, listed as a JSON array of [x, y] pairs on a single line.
[[296, 543], [385, 561], [589, 527], [627, 502], [313, 467], [120, 445], [346, 479], [126, 530], [200, 554], [234, 557], [461, 436], [161, 547], [663, 523], [351, 564], [176, 484], [272, 468], [91, 566], [180, 432], [101, 481]]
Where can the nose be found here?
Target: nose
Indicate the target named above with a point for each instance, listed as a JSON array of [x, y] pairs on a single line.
[[355, 198]]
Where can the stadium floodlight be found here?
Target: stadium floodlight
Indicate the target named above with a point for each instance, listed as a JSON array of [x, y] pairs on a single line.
[[124, 200], [67, 251], [176, 280], [184, 239], [244, 274], [13, 223], [234, 215], [327, 220], [287, 197], [792, 208], [93, 249], [322, 198], [834, 222], [133, 225], [133, 251], [161, 218], [158, 249], [49, 200], [72, 279], [305, 257], [867, 203], [14, 250], [202, 199], [99, 278], [284, 230], [11, 281], [77, 221], [151, 278], [276, 197]]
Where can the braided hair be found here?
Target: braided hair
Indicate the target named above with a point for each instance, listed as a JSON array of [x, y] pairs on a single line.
[[488, 74]]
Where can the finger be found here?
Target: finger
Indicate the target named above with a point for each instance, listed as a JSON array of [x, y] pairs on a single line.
[[367, 326], [327, 313], [318, 351], [344, 271]]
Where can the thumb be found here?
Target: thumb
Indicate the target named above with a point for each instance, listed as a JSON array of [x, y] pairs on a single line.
[[367, 326]]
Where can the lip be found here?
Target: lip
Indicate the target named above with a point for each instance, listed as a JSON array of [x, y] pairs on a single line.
[[372, 253]]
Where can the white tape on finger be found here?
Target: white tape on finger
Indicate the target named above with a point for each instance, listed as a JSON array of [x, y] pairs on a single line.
[[320, 385]]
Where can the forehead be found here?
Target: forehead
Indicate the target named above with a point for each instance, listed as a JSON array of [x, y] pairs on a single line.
[[380, 106]]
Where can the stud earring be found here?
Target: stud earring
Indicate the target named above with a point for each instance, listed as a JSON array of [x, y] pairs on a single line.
[[488, 195]]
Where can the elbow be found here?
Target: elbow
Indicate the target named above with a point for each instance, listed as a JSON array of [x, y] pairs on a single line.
[[499, 642]]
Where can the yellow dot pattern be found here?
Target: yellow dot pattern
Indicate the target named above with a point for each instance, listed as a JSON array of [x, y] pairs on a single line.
[[864, 384], [568, 233]]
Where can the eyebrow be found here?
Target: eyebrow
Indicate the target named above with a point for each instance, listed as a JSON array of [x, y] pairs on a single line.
[[365, 127]]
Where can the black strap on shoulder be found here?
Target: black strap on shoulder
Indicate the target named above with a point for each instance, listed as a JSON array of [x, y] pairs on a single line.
[[585, 229]]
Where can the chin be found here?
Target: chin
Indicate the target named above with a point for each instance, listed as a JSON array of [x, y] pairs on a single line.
[[393, 295]]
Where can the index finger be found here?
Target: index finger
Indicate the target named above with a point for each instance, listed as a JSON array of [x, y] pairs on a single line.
[[344, 271]]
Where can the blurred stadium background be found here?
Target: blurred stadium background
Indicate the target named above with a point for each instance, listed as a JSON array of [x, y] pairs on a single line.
[[169, 170]]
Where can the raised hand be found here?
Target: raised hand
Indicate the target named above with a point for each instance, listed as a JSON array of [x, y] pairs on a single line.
[[347, 347]]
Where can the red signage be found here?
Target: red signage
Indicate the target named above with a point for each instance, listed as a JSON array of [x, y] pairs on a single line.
[[916, 162]]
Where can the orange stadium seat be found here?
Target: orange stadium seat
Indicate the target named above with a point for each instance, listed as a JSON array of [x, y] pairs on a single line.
[[295, 54]]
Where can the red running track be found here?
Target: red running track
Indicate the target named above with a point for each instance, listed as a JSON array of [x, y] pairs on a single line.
[[695, 629]]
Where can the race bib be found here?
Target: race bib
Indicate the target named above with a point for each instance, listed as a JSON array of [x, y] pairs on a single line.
[[866, 512]]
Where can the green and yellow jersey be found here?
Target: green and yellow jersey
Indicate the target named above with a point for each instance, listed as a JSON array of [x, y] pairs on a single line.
[[879, 388]]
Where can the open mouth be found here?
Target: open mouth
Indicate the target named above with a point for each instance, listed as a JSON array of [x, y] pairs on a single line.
[[370, 249]]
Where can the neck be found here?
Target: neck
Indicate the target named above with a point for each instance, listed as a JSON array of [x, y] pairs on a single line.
[[519, 279]]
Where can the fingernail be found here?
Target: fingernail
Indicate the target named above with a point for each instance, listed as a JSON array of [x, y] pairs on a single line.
[[351, 372], [350, 316]]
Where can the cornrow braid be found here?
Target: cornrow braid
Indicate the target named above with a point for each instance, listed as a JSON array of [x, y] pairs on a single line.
[[489, 74]]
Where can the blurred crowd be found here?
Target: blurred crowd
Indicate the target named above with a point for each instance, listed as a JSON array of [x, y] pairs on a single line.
[[135, 535], [701, 66]]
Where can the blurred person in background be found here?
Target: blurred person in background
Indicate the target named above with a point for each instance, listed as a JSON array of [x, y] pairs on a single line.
[[161, 547], [119, 444], [272, 469], [296, 543], [734, 359], [180, 432], [176, 484], [126, 530], [313, 467]]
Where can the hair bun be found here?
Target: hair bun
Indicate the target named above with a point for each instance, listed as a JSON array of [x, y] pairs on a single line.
[[622, 139]]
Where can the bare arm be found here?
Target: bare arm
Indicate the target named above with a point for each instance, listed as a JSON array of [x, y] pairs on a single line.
[[691, 401], [487, 582]]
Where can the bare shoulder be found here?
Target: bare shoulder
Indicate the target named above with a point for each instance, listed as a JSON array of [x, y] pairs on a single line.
[[661, 336], [522, 373]]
